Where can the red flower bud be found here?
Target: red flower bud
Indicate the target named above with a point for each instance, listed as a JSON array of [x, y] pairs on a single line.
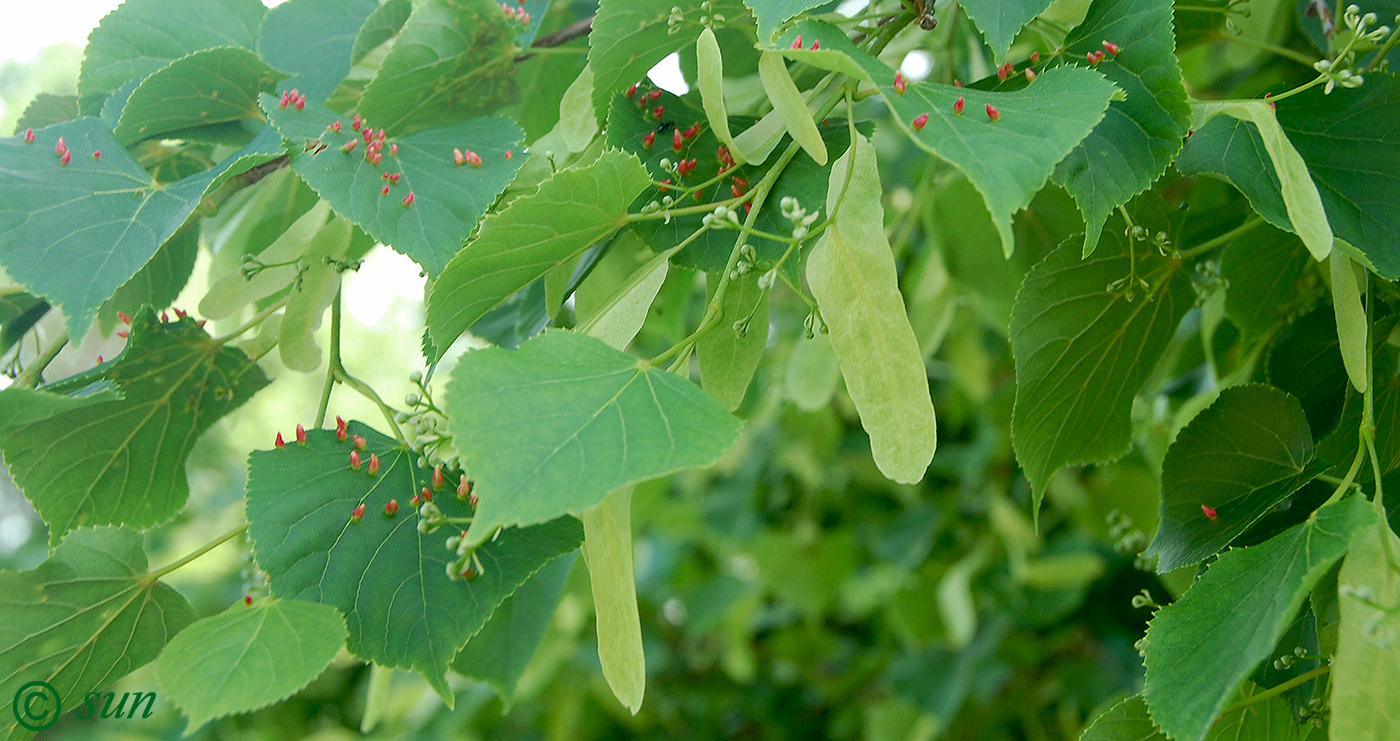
[[355, 459], [367, 135], [384, 191], [692, 131], [438, 478], [899, 83], [1035, 57], [358, 513], [632, 91], [335, 125], [748, 206], [341, 429], [392, 508], [301, 435], [816, 44], [248, 600], [123, 334], [350, 145], [657, 111], [1090, 56], [1098, 57], [29, 136], [464, 489], [279, 442], [1004, 70], [60, 147], [286, 98], [124, 317], [649, 140], [355, 122], [97, 154], [379, 135], [1030, 75], [1209, 511], [796, 43], [1111, 47], [413, 501], [676, 141], [359, 442], [301, 101], [993, 113], [508, 155], [408, 199], [653, 95], [920, 120], [393, 150], [458, 157], [394, 177], [65, 158], [427, 494], [373, 467], [957, 83]]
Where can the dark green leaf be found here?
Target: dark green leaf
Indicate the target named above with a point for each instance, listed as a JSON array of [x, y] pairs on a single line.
[[452, 61], [500, 651], [158, 282], [312, 40], [1201, 647], [388, 578], [447, 198], [1240, 456], [531, 236], [1000, 20], [1139, 135], [123, 461], [1306, 361], [1008, 159], [207, 87], [630, 36], [380, 26], [773, 13], [83, 619], [1125, 721], [1269, 720], [552, 427], [1270, 279], [248, 657], [19, 311], [1083, 351], [74, 234], [142, 36]]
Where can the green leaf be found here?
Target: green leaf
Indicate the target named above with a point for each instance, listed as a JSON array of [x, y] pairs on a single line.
[[1269, 720], [852, 275], [1306, 362], [86, 617], [206, 87], [1365, 687], [773, 13], [1083, 351], [578, 122], [1125, 721], [142, 36], [123, 461], [312, 41], [1140, 134], [607, 549], [499, 653], [790, 106], [447, 198], [1203, 646], [47, 109], [1001, 20], [248, 657], [552, 427], [19, 312], [451, 61], [381, 25], [1352, 324], [1300, 194], [158, 283], [74, 234], [1241, 456], [728, 356], [529, 237], [630, 36], [312, 295], [1008, 160], [1270, 280], [387, 578], [26, 406]]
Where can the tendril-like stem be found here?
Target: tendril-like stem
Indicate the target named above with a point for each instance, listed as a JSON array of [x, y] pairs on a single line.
[[34, 373], [200, 551]]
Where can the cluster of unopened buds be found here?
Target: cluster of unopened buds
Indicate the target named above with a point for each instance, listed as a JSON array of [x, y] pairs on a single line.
[[424, 426], [467, 565], [465, 157], [1285, 661], [801, 220], [294, 98], [745, 264], [516, 14], [813, 324], [1339, 71], [722, 217], [1144, 599]]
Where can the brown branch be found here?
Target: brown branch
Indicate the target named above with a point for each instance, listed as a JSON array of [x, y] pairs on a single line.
[[575, 30]]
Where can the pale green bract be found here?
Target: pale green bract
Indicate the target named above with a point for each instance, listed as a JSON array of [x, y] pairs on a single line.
[[248, 657], [728, 357], [1352, 325], [709, 77], [788, 104], [607, 549], [852, 275], [1365, 686]]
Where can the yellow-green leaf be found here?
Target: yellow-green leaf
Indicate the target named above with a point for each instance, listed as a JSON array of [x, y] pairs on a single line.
[[578, 124], [788, 104], [852, 275], [618, 320], [1365, 683], [607, 549], [812, 373]]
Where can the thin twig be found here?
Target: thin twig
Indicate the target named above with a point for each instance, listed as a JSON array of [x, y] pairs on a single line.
[[577, 29]]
